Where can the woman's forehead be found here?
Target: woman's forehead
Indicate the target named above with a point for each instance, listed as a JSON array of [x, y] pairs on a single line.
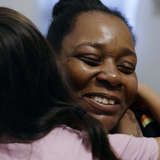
[[98, 27]]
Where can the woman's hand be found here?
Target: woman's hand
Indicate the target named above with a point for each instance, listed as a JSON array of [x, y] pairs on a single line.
[[149, 100], [129, 125]]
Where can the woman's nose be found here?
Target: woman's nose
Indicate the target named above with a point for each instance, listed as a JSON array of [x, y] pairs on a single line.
[[109, 75]]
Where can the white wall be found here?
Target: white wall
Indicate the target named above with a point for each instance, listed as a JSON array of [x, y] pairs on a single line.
[[39, 11], [27, 7], [148, 42]]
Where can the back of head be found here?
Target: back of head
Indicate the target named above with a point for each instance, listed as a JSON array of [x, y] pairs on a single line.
[[64, 16], [24, 68], [30, 83], [29, 80]]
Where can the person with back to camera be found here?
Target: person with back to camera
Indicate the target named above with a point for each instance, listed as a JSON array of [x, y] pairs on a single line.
[[35, 113], [39, 120], [95, 50]]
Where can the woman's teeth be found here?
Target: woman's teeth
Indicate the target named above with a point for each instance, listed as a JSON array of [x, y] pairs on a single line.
[[105, 101]]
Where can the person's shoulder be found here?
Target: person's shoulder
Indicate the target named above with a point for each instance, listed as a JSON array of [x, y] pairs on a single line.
[[130, 147], [66, 143], [119, 143]]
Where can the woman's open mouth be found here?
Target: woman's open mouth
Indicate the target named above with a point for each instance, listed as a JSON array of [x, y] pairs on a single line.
[[102, 103]]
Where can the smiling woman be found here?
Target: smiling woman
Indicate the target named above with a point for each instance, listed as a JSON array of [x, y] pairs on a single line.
[[38, 119], [95, 50]]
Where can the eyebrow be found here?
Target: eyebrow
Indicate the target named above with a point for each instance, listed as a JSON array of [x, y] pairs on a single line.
[[92, 44], [123, 52], [127, 52]]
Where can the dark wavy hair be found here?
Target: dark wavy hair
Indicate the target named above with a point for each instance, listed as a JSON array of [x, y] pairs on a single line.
[[33, 96], [25, 65], [64, 17]]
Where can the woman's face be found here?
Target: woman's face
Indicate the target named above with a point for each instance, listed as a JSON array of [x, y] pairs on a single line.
[[99, 63]]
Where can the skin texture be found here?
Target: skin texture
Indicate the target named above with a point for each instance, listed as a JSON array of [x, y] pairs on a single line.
[[99, 60], [129, 125], [150, 100]]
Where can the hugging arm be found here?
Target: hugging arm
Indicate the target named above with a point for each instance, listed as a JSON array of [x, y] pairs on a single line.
[[129, 125], [150, 99], [147, 100]]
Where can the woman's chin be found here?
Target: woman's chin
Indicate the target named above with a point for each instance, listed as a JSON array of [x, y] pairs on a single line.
[[109, 122]]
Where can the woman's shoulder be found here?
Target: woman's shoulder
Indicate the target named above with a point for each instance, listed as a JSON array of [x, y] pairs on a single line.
[[61, 143], [131, 147], [65, 143]]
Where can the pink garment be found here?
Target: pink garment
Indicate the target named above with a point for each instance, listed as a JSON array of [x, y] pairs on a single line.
[[128, 147], [64, 143]]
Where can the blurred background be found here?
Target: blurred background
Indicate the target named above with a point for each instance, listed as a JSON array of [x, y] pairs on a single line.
[[143, 16]]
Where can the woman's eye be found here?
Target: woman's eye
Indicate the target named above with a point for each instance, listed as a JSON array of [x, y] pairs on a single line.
[[90, 60], [126, 68]]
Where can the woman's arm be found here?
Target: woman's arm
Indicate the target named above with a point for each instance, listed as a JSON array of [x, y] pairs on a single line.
[[151, 99], [158, 140], [129, 125], [130, 147]]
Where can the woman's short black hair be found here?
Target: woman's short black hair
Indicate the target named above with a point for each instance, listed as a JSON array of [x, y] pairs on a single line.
[[64, 17]]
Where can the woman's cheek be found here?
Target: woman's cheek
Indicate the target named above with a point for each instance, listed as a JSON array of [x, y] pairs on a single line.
[[77, 73], [131, 87]]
